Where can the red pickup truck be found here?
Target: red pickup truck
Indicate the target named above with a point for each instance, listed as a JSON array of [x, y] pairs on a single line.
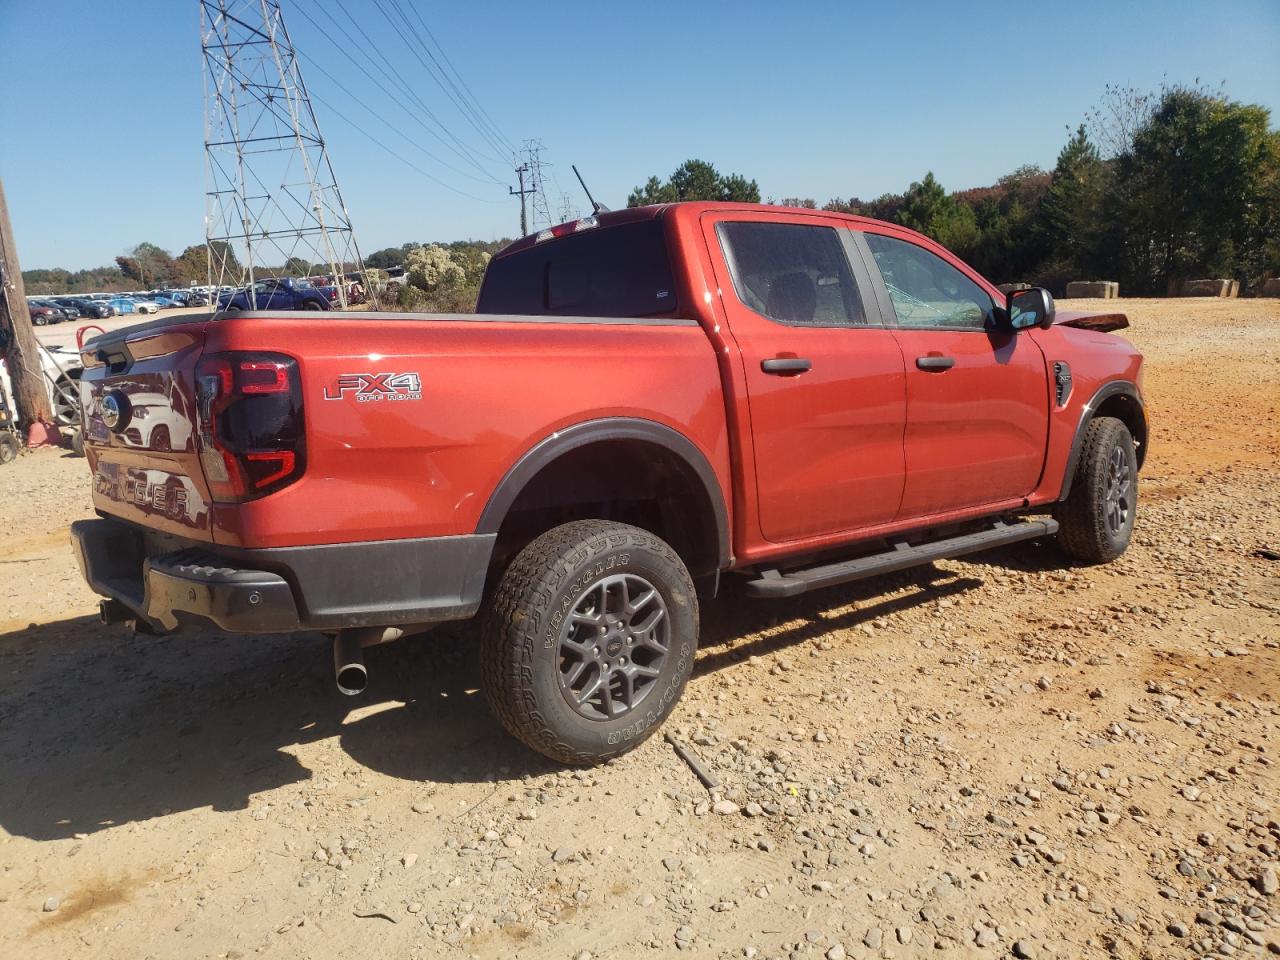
[[646, 400]]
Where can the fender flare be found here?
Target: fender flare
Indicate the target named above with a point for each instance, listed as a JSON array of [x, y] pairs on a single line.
[[563, 441], [1110, 389]]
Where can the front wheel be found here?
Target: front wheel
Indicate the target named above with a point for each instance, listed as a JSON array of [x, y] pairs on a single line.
[[1098, 515], [9, 447], [589, 640]]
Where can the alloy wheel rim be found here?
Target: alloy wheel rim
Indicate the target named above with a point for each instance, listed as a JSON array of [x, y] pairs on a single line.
[[612, 646], [1118, 501]]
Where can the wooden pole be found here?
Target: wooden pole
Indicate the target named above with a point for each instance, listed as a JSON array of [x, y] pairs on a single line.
[[17, 339]]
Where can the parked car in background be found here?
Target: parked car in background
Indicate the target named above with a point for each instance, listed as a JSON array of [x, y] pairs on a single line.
[[62, 369], [68, 305], [93, 309], [49, 311], [42, 315], [283, 293], [123, 305], [146, 306]]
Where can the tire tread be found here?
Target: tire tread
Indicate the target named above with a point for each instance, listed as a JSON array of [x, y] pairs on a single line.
[[511, 624], [1082, 532]]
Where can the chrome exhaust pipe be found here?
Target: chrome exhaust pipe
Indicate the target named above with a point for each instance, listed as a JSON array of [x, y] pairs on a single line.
[[348, 652], [348, 662]]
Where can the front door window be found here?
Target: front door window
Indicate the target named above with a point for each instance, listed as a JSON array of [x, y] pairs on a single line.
[[926, 291]]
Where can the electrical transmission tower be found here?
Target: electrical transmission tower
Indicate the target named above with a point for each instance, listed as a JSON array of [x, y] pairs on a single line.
[[568, 209], [272, 202], [539, 209]]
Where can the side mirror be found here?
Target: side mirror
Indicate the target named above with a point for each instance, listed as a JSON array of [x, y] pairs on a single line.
[[1030, 308]]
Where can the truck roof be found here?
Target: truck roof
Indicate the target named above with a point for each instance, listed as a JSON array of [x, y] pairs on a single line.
[[613, 218]]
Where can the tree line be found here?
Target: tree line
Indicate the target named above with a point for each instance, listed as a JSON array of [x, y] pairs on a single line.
[[1153, 189]]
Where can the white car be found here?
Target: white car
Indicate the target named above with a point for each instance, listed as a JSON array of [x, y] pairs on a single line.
[[147, 306], [61, 380]]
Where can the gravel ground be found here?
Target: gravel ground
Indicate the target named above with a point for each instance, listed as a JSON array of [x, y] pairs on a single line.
[[1005, 756]]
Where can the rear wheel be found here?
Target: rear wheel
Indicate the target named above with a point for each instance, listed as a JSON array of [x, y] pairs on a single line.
[[9, 447], [66, 402], [1098, 515], [589, 640]]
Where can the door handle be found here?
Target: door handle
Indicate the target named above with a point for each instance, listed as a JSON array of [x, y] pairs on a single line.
[[782, 366], [935, 364]]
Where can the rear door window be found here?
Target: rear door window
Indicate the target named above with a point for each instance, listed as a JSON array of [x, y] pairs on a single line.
[[793, 273], [620, 271]]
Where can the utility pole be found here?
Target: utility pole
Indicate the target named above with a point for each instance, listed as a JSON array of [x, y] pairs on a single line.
[[17, 339], [522, 193]]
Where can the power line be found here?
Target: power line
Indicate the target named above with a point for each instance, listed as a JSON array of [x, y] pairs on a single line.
[[373, 113], [408, 163], [461, 80], [448, 86], [392, 73], [457, 147], [412, 33]]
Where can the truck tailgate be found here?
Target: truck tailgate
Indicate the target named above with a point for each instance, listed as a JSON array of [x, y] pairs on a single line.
[[139, 406]]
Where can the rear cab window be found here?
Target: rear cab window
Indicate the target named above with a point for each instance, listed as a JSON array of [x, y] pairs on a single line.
[[619, 271]]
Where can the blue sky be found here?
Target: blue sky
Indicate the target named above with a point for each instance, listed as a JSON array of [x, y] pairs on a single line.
[[814, 99]]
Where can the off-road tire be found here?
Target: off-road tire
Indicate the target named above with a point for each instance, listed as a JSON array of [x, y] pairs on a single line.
[[520, 630], [1085, 533], [9, 447]]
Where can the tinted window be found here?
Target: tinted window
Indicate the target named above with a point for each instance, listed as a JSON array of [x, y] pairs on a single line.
[[618, 271], [791, 272], [926, 290]]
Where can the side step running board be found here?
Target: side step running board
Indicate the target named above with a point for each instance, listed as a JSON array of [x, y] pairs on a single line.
[[774, 583]]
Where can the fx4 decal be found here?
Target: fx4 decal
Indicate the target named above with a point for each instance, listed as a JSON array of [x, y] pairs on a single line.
[[372, 387]]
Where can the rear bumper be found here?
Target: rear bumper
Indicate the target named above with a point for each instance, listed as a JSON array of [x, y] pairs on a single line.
[[168, 582]]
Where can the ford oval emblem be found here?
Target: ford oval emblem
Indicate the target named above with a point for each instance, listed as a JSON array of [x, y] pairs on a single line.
[[115, 411]]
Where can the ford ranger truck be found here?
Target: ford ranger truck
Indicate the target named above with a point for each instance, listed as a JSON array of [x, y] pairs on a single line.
[[645, 403]]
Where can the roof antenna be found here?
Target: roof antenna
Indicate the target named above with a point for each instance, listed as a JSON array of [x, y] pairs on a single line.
[[595, 207]]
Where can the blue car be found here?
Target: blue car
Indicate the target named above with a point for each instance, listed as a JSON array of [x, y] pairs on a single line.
[[123, 304], [284, 293]]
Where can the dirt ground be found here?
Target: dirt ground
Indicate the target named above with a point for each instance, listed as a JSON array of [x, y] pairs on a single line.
[[1006, 756]]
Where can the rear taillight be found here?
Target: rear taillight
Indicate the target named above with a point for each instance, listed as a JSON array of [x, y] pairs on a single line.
[[252, 439]]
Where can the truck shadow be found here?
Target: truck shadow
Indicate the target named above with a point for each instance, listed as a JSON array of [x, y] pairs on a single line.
[[99, 729]]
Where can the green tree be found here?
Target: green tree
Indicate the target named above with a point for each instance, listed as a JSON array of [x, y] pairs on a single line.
[[1193, 188], [928, 208], [150, 265], [193, 263], [388, 257], [695, 180], [1070, 213]]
